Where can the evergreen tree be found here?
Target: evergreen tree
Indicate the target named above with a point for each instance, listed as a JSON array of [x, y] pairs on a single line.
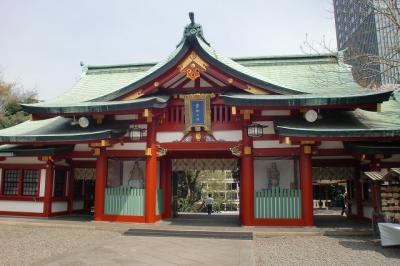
[[11, 98]]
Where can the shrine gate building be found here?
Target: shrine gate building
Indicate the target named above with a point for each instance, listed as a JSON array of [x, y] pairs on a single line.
[[118, 134]]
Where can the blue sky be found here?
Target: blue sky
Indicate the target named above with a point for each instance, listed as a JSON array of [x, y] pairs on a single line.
[[43, 41]]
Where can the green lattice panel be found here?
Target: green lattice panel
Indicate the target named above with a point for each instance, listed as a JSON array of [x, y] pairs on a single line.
[[277, 203], [124, 201]]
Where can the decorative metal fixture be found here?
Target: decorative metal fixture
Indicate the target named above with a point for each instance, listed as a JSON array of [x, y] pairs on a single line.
[[161, 151], [74, 122], [255, 130], [136, 133], [83, 122], [236, 150], [311, 116]]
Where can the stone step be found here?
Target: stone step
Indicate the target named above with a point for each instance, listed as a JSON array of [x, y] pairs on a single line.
[[190, 233]]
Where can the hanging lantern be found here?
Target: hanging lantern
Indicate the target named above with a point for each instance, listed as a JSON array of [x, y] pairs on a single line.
[[136, 133], [255, 130]]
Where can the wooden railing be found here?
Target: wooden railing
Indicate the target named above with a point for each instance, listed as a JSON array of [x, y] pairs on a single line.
[[277, 203]]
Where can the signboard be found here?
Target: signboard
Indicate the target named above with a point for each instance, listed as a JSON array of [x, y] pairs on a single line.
[[198, 115], [197, 112]]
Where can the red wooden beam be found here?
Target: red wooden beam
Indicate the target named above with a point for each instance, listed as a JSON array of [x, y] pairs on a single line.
[[125, 153], [200, 146], [332, 152], [335, 162], [260, 152], [84, 164], [202, 155]]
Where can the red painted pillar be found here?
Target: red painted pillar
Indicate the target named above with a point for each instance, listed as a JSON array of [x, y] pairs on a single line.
[[374, 195], [358, 189], [100, 189], [306, 185], [166, 172], [247, 180], [48, 190], [375, 166], [71, 190], [151, 174]]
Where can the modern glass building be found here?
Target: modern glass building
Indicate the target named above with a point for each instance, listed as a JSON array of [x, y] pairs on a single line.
[[368, 36]]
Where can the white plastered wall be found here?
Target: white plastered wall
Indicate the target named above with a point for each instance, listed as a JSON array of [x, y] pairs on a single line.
[[21, 206], [172, 136], [59, 206], [129, 146], [271, 144], [22, 160], [62, 163], [331, 145], [82, 147], [228, 135], [77, 205], [275, 112], [126, 117], [42, 182]]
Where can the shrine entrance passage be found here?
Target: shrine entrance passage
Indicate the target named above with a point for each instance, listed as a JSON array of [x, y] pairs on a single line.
[[192, 180]]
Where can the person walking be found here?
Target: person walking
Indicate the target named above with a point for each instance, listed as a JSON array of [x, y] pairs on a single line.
[[346, 204], [209, 203]]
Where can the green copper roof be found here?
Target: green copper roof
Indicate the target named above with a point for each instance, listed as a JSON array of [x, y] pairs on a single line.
[[358, 123], [373, 147], [159, 101], [315, 100], [288, 75], [23, 150], [59, 129]]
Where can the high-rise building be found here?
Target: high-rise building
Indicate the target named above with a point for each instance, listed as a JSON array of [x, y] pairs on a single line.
[[371, 40]]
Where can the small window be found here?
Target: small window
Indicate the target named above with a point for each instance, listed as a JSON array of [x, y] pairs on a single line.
[[10, 182], [18, 182], [30, 182], [60, 180]]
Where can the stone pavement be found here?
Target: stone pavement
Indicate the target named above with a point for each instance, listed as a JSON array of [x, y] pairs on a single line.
[[132, 250], [114, 243]]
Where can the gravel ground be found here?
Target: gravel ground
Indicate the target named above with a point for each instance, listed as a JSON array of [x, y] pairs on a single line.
[[323, 250], [24, 245]]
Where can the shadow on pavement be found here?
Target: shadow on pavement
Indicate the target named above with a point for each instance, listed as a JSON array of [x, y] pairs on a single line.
[[205, 220]]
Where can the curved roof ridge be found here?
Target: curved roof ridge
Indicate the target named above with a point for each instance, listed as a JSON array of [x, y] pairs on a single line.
[[237, 59], [286, 56], [114, 81]]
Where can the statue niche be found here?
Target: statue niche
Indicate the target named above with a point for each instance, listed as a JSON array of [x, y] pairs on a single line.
[[273, 175], [136, 176]]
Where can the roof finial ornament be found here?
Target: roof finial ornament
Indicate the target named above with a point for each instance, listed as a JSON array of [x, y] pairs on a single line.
[[192, 31], [191, 16]]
